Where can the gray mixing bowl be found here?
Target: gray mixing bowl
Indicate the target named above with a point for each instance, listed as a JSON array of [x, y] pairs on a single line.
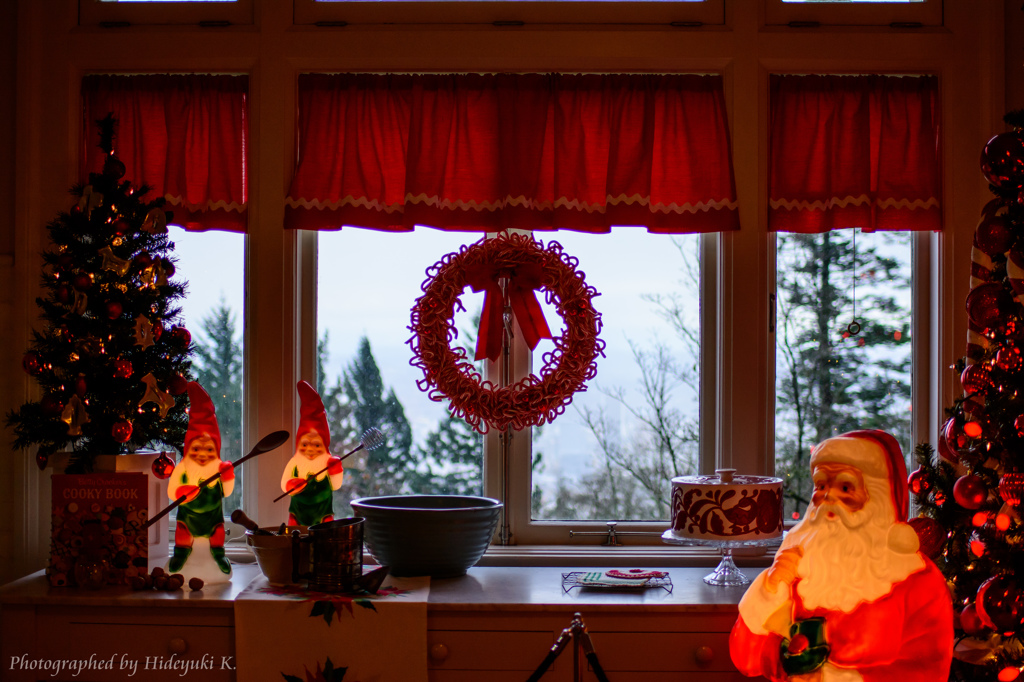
[[436, 535]]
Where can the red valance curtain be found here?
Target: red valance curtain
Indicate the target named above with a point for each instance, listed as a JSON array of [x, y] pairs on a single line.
[[183, 135], [854, 151], [487, 152]]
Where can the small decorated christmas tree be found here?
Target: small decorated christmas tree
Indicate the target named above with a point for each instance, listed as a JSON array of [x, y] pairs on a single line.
[[971, 496], [112, 364]]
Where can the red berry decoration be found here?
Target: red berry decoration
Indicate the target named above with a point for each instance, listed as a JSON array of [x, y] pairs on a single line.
[[177, 384], [1002, 160], [81, 281], [930, 534], [1000, 604], [970, 622], [993, 235], [31, 364], [1009, 359], [123, 368], [969, 491], [798, 644], [121, 431], [987, 304], [919, 482], [163, 466], [1011, 488], [114, 309]]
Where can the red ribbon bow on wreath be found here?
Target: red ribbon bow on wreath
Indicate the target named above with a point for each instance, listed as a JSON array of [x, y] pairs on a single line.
[[522, 282]]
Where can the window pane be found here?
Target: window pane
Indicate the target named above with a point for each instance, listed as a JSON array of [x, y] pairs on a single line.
[[613, 452], [831, 378], [366, 286], [213, 265]]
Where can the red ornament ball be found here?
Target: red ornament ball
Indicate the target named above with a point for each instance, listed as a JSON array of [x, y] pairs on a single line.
[[114, 309], [42, 460], [51, 405], [62, 294], [163, 466], [1008, 674], [81, 281], [993, 235], [80, 386], [1009, 359], [122, 227], [123, 368], [946, 452], [143, 260], [31, 364], [179, 336], [977, 545], [1011, 488], [1002, 160], [177, 384], [168, 267], [987, 304], [121, 431], [919, 482], [954, 438], [1000, 604], [970, 622], [1018, 425], [158, 330], [930, 534], [114, 166], [969, 491]]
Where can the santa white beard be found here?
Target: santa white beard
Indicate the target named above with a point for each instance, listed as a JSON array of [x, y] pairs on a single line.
[[848, 560]]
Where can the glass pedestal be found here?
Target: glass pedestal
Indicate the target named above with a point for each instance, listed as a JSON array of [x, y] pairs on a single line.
[[726, 573]]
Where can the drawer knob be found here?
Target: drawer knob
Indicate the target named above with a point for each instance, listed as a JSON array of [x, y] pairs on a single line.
[[177, 645], [704, 655], [439, 653]]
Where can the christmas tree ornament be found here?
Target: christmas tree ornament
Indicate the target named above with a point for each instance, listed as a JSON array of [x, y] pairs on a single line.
[[114, 309], [75, 416], [90, 201], [142, 261], [1000, 604], [1011, 488], [163, 400], [930, 534], [80, 302], [177, 384], [1003, 522], [155, 222], [31, 364], [945, 452], [1018, 425], [114, 167], [969, 491], [955, 438], [62, 294], [973, 429], [1009, 359], [121, 431], [980, 519], [82, 282], [970, 622], [123, 369], [1002, 160], [993, 235], [158, 330], [143, 332], [987, 304], [919, 482], [168, 266], [1008, 674], [51, 405], [121, 227], [179, 336], [163, 466], [113, 263], [80, 386], [42, 460], [976, 545]]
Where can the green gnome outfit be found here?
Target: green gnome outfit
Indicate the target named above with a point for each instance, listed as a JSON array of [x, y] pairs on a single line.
[[312, 474]]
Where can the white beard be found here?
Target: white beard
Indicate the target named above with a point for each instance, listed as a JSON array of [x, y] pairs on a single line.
[[847, 561], [193, 472]]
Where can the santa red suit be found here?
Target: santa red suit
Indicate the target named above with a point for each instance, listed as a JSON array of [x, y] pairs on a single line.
[[849, 596], [312, 474]]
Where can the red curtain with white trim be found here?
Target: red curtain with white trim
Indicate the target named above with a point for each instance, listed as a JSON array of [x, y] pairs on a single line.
[[854, 151], [185, 136], [487, 152]]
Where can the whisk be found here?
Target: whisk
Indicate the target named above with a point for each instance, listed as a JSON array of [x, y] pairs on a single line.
[[371, 439]]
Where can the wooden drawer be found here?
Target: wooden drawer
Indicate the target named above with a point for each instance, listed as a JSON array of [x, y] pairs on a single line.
[[662, 651], [490, 650]]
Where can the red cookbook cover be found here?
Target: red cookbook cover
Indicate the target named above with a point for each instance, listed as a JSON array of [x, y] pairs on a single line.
[[96, 531]]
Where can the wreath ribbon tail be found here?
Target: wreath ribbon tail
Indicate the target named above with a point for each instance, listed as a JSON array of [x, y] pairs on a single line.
[[488, 340], [530, 316]]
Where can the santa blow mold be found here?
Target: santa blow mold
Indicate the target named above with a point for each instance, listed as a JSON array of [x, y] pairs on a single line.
[[199, 531], [312, 474], [849, 596]]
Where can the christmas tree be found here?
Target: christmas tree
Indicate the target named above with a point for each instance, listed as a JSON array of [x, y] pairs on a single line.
[[111, 363], [970, 495]]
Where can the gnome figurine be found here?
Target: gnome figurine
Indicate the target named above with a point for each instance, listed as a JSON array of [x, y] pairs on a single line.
[[312, 474], [199, 532]]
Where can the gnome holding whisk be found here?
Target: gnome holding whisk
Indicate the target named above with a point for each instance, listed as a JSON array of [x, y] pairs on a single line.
[[312, 474]]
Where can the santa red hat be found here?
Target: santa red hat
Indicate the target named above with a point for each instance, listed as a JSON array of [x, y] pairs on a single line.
[[312, 416], [202, 419], [874, 453]]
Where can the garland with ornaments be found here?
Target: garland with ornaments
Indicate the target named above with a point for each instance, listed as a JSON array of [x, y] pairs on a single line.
[[970, 496], [509, 268], [111, 359]]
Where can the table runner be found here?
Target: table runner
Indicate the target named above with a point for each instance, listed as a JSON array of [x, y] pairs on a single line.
[[303, 635]]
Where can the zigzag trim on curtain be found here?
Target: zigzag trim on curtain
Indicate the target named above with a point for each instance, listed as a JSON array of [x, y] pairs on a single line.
[[563, 202], [820, 205], [208, 206]]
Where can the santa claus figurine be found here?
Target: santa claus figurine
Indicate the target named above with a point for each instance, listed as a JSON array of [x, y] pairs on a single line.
[[312, 474], [199, 531], [849, 597]]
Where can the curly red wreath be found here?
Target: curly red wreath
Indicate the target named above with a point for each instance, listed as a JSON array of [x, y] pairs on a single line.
[[448, 373]]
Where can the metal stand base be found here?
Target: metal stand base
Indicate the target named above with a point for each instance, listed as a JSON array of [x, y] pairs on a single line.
[[726, 572]]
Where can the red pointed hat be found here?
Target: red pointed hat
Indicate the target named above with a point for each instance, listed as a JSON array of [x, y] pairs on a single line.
[[201, 417], [312, 416], [885, 461]]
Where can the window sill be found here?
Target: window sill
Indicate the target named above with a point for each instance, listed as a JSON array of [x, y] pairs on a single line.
[[629, 556]]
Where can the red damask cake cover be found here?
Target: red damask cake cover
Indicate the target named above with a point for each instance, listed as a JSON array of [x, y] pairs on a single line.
[[726, 507]]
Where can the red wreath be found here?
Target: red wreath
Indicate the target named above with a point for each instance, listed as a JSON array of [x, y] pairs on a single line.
[[522, 265]]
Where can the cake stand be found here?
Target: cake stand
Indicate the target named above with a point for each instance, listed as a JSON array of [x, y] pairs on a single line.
[[726, 573]]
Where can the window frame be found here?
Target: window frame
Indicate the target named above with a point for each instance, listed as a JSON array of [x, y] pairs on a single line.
[[98, 13], [847, 13]]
